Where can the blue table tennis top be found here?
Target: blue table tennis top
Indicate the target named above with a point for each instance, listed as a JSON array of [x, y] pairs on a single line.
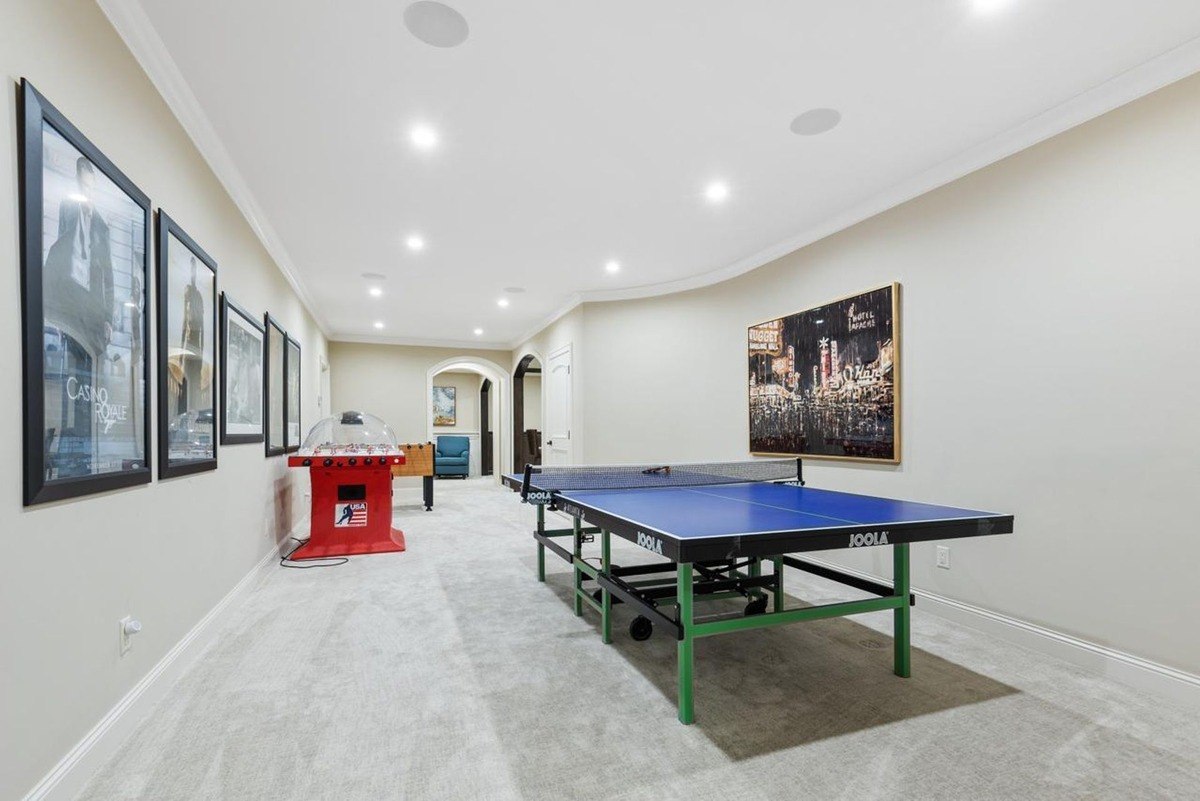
[[757, 509], [723, 518]]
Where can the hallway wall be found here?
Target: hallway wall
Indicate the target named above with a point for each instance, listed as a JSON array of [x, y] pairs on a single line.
[[166, 552]]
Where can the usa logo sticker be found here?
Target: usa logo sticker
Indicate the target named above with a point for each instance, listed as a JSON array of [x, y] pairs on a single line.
[[348, 515]]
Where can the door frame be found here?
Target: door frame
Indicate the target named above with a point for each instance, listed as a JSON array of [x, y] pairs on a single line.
[[518, 403]]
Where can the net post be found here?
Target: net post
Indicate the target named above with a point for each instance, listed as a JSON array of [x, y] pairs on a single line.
[[525, 481], [800, 470]]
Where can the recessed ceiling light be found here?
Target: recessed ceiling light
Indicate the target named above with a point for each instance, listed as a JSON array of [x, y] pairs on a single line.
[[613, 266], [436, 24], [424, 137], [379, 324], [415, 242], [478, 332], [716, 192], [816, 121], [376, 292], [502, 303]]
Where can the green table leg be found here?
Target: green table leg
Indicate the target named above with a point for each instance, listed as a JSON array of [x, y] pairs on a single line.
[[683, 592], [541, 528], [754, 571], [778, 560], [902, 615], [605, 595], [577, 536]]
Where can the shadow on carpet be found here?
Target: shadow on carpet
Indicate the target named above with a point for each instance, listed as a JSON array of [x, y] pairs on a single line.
[[773, 689]]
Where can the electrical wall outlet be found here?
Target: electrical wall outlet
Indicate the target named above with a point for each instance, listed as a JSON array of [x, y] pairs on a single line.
[[943, 556], [126, 628]]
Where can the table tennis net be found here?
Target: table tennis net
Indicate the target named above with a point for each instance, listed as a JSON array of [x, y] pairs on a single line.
[[658, 475]]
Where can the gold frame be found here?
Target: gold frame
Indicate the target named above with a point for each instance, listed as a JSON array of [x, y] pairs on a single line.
[[897, 374]]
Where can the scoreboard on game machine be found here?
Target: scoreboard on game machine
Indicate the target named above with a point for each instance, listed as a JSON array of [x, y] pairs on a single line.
[[351, 474]]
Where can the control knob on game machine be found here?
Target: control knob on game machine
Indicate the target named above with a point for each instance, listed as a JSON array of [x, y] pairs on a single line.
[[349, 458]]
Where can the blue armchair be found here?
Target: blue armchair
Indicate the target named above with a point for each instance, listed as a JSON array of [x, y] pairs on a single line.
[[453, 456]]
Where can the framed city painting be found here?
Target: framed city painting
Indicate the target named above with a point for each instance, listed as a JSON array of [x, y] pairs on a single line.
[[274, 379], [187, 353], [241, 375], [84, 282], [445, 411], [292, 393], [825, 382]]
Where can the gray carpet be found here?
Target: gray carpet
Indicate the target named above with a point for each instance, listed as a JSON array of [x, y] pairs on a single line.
[[449, 672]]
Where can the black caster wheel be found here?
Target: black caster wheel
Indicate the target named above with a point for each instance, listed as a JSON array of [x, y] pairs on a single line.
[[757, 606], [641, 628]]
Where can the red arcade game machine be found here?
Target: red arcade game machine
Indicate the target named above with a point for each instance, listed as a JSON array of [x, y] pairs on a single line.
[[349, 458]]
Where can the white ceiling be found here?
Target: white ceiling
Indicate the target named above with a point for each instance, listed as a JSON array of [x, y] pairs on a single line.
[[572, 133]]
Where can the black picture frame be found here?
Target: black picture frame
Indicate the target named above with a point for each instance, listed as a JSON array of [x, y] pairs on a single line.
[[168, 418], [36, 114], [231, 311], [271, 389], [291, 395]]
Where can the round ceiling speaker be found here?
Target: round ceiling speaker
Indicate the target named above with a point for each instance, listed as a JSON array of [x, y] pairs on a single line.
[[436, 24]]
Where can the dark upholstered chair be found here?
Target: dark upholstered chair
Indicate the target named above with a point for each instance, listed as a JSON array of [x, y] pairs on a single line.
[[453, 456]]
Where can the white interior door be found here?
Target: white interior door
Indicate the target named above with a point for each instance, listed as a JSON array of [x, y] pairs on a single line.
[[556, 421]]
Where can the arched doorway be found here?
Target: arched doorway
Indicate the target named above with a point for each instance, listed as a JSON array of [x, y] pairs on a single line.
[[500, 392], [527, 412]]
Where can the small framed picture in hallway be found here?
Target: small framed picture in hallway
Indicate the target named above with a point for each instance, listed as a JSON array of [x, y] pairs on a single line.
[[445, 408]]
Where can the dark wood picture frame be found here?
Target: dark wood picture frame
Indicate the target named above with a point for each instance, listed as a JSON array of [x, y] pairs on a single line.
[[34, 112], [288, 366], [272, 448], [168, 468], [228, 307]]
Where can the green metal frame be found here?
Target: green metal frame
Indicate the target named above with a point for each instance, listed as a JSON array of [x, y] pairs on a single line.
[[685, 598]]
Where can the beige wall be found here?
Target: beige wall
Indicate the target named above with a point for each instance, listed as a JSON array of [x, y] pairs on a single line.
[[466, 400], [390, 381], [1049, 333], [167, 552]]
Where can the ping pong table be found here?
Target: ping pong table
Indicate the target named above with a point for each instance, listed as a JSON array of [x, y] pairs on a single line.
[[715, 525]]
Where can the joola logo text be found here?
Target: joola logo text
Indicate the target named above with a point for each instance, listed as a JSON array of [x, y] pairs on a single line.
[[650, 543], [868, 538], [539, 497]]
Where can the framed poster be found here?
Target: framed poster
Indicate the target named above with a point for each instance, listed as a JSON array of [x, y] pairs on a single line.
[[292, 393], [825, 382], [445, 410], [241, 375], [187, 353], [274, 379], [85, 238]]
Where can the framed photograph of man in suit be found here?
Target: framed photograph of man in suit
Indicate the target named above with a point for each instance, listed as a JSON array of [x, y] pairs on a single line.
[[84, 253], [187, 353]]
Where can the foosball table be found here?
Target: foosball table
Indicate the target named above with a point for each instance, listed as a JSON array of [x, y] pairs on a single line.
[[418, 461]]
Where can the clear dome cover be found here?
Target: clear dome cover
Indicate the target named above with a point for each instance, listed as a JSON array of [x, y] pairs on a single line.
[[350, 432]]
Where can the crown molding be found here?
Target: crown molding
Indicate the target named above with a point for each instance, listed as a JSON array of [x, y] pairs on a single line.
[[417, 342], [576, 299], [139, 34], [134, 27], [1137, 82]]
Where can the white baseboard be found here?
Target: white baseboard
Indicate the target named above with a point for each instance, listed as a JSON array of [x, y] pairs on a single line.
[[73, 771], [1176, 685]]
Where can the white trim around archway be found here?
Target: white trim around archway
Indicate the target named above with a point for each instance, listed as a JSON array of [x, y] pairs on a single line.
[[501, 379]]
